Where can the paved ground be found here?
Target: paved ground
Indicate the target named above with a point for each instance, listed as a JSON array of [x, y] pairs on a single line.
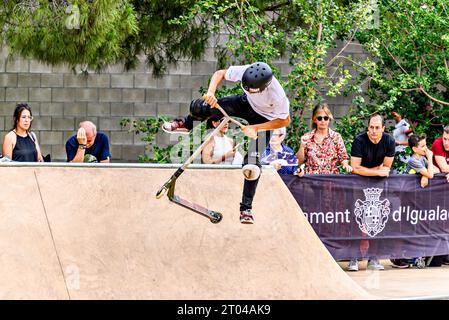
[[403, 283], [99, 233]]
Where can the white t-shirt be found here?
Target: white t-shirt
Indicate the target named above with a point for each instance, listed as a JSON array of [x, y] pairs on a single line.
[[272, 103], [399, 133], [222, 146]]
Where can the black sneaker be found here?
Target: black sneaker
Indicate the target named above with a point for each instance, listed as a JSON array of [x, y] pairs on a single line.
[[400, 263], [446, 260], [435, 261]]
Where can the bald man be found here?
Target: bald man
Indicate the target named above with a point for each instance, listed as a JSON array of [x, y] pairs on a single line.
[[88, 145]]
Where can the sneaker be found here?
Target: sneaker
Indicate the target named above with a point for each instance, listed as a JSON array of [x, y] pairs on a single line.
[[175, 126], [400, 263], [353, 265], [374, 264], [446, 260], [419, 262], [246, 217]]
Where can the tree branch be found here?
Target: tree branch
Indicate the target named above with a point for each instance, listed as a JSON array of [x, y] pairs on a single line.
[[249, 8], [277, 6], [418, 68], [350, 60], [242, 21], [421, 89], [394, 58], [320, 31], [432, 98], [342, 49], [320, 26], [444, 8]]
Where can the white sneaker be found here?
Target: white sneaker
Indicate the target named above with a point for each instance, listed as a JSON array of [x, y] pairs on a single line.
[[374, 264], [353, 265], [420, 262]]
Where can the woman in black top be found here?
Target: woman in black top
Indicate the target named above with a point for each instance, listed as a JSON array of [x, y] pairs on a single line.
[[20, 144]]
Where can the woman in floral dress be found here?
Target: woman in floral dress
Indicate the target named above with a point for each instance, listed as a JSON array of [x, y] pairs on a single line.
[[322, 149]]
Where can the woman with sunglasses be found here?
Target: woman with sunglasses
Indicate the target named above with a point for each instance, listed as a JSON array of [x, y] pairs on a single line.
[[322, 149], [20, 144], [221, 149]]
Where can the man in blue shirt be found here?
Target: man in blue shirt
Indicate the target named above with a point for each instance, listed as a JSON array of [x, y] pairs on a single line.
[[88, 145]]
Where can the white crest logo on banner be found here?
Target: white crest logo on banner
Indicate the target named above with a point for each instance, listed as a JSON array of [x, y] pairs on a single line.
[[372, 214]]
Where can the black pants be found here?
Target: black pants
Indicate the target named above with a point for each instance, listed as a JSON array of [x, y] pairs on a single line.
[[236, 106]]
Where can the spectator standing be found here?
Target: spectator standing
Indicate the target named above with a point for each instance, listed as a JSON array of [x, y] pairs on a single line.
[[322, 149], [400, 131], [372, 154], [440, 149]]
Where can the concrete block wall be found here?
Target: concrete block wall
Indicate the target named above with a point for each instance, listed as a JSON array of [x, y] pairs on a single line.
[[61, 99]]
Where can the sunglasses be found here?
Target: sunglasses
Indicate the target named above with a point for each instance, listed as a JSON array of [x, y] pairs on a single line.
[[320, 118]]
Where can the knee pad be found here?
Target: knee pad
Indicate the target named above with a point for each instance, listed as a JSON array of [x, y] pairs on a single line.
[[200, 109], [251, 172]]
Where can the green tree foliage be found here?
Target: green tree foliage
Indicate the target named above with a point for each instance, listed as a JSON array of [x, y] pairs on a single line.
[[410, 44], [149, 128], [304, 30], [95, 33], [160, 40], [261, 30], [90, 34]]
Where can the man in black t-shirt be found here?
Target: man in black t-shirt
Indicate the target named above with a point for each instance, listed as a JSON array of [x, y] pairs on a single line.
[[372, 154]]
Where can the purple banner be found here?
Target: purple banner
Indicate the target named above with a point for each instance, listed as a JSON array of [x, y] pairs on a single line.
[[359, 217]]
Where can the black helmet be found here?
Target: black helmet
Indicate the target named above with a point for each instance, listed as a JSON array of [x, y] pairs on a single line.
[[257, 76]]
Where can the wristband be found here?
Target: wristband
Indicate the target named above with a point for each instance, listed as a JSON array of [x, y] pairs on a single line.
[[82, 146]]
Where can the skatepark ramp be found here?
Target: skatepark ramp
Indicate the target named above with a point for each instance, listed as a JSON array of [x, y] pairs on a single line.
[[98, 232]]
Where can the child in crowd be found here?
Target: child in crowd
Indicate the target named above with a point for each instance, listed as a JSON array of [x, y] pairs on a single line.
[[421, 161]]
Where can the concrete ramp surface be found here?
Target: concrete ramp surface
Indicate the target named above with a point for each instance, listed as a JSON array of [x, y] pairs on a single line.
[[100, 233]]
